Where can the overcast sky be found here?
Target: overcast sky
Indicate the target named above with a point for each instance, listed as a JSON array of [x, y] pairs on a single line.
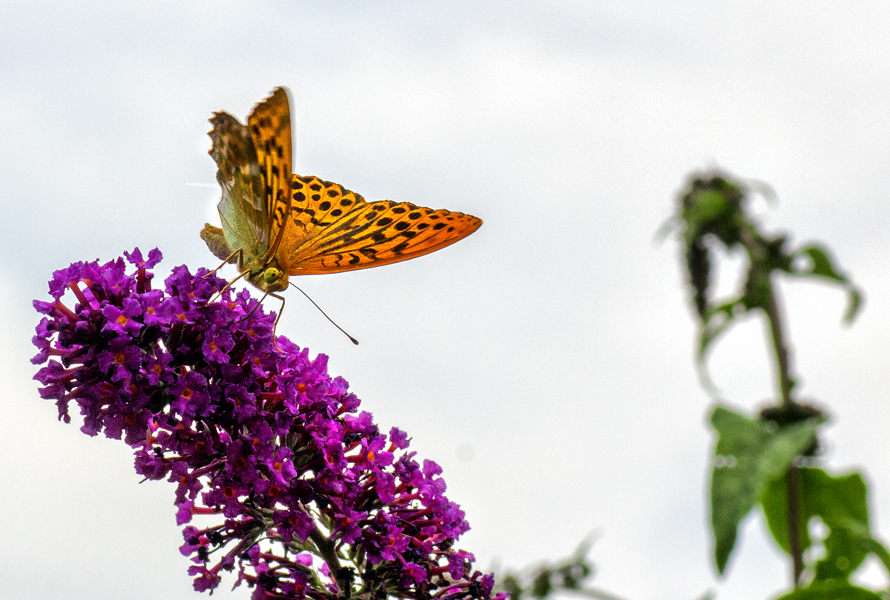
[[546, 362]]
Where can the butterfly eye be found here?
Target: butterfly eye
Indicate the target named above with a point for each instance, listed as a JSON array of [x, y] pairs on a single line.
[[271, 275]]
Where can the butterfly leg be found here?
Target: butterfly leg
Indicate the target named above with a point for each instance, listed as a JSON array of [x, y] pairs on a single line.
[[228, 285], [239, 252], [278, 316], [253, 310]]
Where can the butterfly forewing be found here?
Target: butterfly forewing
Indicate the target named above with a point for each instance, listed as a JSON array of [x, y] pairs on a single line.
[[243, 211], [269, 127], [332, 229]]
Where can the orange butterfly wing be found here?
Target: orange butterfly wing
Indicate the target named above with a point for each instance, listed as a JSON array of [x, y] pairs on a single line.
[[331, 229], [269, 127]]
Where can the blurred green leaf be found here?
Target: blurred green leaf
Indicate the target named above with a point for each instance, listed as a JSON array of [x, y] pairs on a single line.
[[541, 586], [831, 590], [712, 205], [844, 553], [733, 479], [821, 265], [880, 551], [716, 320], [748, 456], [705, 207], [840, 503], [510, 584], [786, 444], [843, 506], [547, 580]]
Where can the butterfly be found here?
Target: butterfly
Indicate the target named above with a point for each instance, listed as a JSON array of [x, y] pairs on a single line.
[[276, 223]]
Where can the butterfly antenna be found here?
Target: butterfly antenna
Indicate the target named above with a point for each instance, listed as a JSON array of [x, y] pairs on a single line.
[[352, 339]]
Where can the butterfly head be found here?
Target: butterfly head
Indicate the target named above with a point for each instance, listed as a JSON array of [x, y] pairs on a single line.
[[269, 279]]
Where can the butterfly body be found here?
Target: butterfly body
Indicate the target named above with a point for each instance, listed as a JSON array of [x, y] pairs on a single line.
[[263, 274], [276, 224]]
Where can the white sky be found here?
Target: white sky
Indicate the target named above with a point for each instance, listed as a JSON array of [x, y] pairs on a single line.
[[546, 362]]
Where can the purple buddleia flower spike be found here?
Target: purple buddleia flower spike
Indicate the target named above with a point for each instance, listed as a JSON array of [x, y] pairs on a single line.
[[278, 475]]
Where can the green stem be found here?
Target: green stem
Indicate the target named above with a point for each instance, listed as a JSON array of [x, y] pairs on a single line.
[[785, 385], [780, 348], [329, 553], [757, 253]]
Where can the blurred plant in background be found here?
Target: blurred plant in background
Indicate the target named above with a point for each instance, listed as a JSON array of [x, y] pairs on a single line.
[[770, 460]]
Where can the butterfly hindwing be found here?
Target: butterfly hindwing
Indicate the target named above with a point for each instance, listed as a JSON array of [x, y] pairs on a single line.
[[332, 229], [244, 215]]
